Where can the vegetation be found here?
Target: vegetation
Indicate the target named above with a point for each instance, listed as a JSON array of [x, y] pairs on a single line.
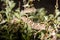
[[25, 24]]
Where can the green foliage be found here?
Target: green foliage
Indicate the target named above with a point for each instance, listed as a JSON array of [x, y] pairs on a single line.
[[13, 28]]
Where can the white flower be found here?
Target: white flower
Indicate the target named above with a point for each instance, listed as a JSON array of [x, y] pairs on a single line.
[[53, 33]]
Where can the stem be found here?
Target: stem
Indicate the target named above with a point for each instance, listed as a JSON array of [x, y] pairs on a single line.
[[56, 6]]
